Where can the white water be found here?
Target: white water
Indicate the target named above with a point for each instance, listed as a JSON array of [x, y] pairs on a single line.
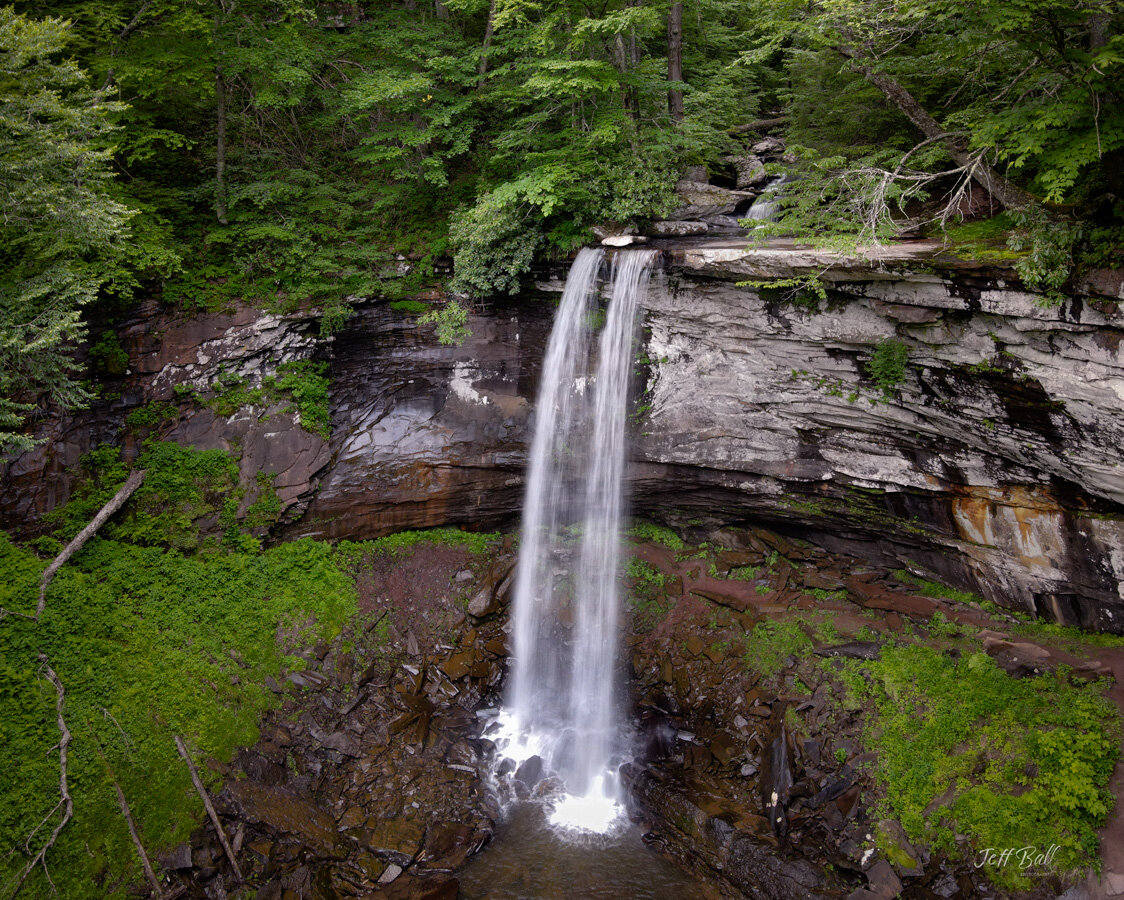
[[764, 208], [563, 698]]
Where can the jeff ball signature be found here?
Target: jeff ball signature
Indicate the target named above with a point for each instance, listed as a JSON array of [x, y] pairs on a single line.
[[1024, 857]]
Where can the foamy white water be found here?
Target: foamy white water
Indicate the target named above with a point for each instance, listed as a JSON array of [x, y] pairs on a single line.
[[563, 696]]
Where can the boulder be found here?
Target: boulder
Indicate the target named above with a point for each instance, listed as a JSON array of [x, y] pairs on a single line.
[[750, 171], [699, 200]]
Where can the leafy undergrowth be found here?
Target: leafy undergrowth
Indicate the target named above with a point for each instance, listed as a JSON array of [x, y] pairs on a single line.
[[149, 643], [965, 749], [301, 384], [394, 544], [165, 624]]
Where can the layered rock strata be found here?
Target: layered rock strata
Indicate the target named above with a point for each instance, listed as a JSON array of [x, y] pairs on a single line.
[[994, 458]]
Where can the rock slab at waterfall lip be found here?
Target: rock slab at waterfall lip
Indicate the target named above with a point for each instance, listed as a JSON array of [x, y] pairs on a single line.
[[623, 240]]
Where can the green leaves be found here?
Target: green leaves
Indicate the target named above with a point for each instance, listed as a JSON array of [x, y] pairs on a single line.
[[59, 223], [963, 748]]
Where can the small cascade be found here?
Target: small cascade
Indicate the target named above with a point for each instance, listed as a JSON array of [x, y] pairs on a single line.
[[563, 696], [764, 208]]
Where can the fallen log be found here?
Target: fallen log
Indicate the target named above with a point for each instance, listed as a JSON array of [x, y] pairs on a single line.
[[214, 817], [126, 490]]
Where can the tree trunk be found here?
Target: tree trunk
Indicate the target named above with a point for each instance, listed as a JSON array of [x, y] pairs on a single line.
[[220, 146], [1010, 195], [482, 70], [675, 60]]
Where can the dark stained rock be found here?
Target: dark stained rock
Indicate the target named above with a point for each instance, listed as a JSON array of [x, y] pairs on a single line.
[[883, 880], [738, 848], [775, 782], [853, 650], [530, 771], [287, 812], [178, 857], [397, 839], [408, 887], [449, 844]]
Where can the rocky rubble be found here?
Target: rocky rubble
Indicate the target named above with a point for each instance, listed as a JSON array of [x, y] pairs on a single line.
[[368, 780], [759, 779]]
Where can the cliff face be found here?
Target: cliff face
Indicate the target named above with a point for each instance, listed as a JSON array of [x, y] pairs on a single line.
[[994, 459]]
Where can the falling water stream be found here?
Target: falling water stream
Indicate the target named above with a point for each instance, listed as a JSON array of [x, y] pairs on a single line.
[[563, 707], [563, 694]]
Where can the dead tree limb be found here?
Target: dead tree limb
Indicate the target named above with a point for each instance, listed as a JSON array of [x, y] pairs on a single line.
[[127, 813], [1010, 195], [133, 482], [66, 804], [214, 817]]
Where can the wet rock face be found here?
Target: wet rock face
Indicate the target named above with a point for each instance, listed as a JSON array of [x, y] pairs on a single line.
[[994, 462], [425, 435]]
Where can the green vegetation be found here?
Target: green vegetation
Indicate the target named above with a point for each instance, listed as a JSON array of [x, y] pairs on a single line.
[[60, 226], [477, 542], [964, 748], [805, 292], [647, 596], [166, 623], [151, 415], [302, 384], [770, 643], [416, 307], [281, 154], [657, 534], [148, 642], [1066, 636], [936, 589], [887, 365]]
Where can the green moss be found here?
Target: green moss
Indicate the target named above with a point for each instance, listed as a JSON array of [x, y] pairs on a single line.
[[413, 307], [984, 240], [964, 748], [1073, 639], [398, 543], [936, 589], [824, 595]]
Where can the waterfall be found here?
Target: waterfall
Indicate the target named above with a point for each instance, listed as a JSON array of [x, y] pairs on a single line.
[[764, 208], [563, 698]]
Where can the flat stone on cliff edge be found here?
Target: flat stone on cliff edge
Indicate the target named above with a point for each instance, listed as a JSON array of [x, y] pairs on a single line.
[[623, 240]]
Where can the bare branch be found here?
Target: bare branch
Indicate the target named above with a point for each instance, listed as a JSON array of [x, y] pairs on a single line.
[[123, 804], [65, 803], [202, 791], [133, 482]]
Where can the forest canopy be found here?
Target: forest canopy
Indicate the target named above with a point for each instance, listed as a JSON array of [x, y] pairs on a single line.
[[286, 152]]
